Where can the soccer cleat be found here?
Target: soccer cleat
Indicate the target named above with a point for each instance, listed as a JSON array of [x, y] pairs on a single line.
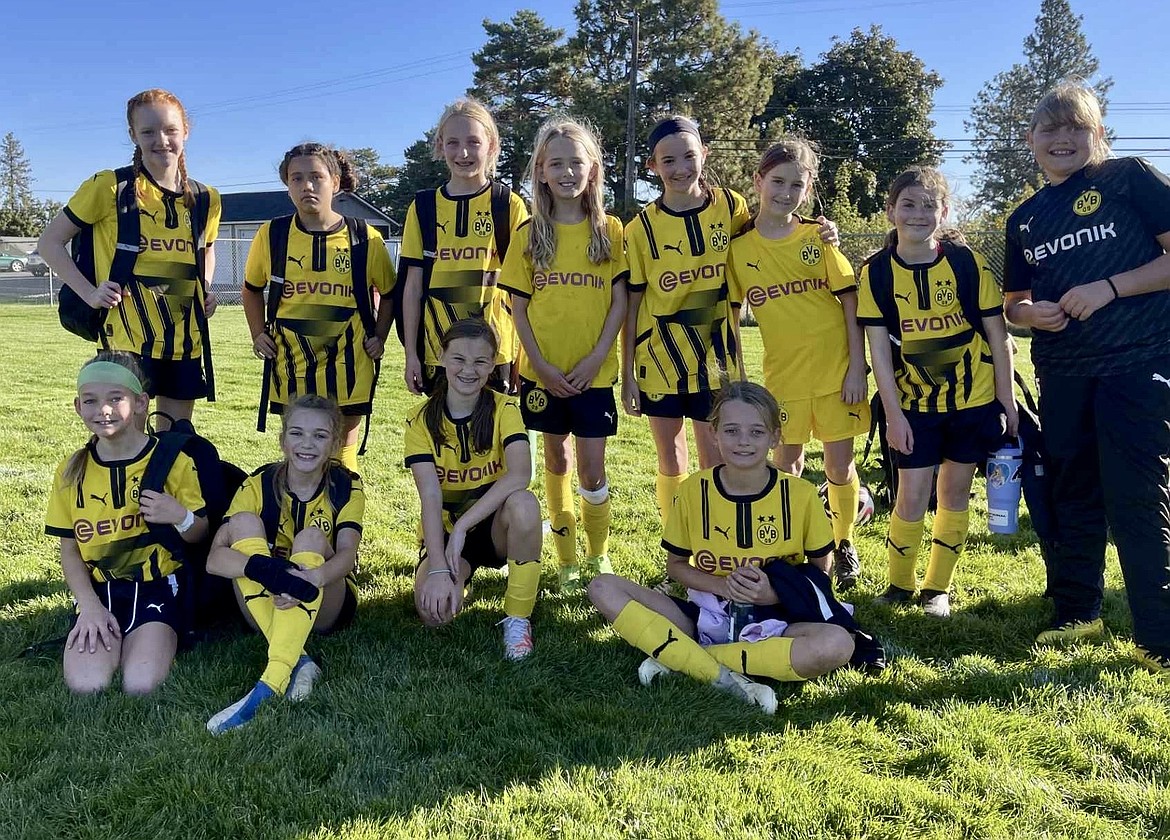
[[242, 711], [517, 638], [304, 675], [597, 565], [651, 668], [1158, 663], [894, 595], [935, 603], [569, 579], [749, 690], [847, 567], [1072, 631]]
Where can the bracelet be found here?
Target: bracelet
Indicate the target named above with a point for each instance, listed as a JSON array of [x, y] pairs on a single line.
[[441, 572], [185, 526], [1116, 294]]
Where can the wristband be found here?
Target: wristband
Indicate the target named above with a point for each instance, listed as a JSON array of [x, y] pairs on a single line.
[[185, 526], [441, 572], [1116, 294]]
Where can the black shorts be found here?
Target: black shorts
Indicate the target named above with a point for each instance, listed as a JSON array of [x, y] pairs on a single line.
[[177, 379], [347, 612], [591, 414], [965, 436], [696, 406], [478, 549], [431, 374], [134, 603]]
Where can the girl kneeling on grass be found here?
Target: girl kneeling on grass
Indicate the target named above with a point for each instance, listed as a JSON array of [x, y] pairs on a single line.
[[735, 536], [122, 577], [933, 315], [567, 278], [468, 451], [290, 542]]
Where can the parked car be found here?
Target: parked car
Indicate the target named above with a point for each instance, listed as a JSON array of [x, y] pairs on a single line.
[[11, 262], [36, 264]]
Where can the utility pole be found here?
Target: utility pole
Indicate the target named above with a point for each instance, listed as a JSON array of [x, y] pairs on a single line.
[[632, 115]]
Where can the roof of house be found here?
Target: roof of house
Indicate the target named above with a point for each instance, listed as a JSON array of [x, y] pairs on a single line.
[[245, 207]]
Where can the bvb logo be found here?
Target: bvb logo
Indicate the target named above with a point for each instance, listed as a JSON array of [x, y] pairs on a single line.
[[1087, 203], [341, 262], [810, 254], [944, 296], [719, 240], [537, 400], [482, 226], [323, 524], [767, 533], [783, 415]]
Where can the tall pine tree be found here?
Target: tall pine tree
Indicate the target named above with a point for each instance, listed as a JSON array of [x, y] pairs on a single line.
[[15, 175]]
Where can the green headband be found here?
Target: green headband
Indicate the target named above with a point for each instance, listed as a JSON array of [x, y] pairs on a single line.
[[109, 373]]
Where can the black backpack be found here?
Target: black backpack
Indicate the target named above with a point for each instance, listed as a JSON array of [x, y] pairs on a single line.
[[886, 490], [425, 212], [359, 246], [205, 599], [83, 320], [339, 487]]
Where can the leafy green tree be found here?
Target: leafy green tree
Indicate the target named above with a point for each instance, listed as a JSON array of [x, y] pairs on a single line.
[[15, 174], [867, 105], [375, 178], [521, 74], [29, 220], [1056, 50], [690, 61], [419, 172]]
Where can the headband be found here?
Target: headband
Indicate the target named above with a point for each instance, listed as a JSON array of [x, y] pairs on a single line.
[[673, 125], [109, 373]]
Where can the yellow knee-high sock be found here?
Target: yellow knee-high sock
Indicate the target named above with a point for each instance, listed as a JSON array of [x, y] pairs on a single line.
[[348, 457], [558, 491], [596, 519], [902, 542], [289, 630], [256, 598], [655, 635], [523, 584], [770, 658], [843, 504], [948, 535], [665, 486]]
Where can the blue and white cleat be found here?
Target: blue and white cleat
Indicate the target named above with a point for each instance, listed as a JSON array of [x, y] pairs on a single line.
[[304, 675], [242, 711]]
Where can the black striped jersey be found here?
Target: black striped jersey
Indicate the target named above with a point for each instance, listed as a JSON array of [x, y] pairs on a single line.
[[464, 474], [102, 514], [1101, 221], [296, 514], [319, 331], [679, 262], [465, 251], [944, 364], [155, 318], [718, 531], [792, 286], [569, 302]]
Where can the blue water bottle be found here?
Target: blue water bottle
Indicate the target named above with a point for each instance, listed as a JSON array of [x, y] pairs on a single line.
[[1003, 488]]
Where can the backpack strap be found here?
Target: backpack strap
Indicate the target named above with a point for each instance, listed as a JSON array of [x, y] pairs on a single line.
[[340, 487], [278, 233], [501, 217], [129, 226], [199, 218], [166, 451], [425, 213], [270, 502], [359, 252], [966, 270]]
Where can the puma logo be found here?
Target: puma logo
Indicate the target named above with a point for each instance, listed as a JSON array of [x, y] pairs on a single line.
[[901, 549], [955, 549], [855, 414], [1157, 377], [755, 265], [742, 660], [441, 225], [676, 248], [101, 499], [608, 415], [670, 639], [449, 446], [308, 611], [905, 297], [153, 216], [726, 532], [563, 531], [1026, 227], [156, 607], [300, 261]]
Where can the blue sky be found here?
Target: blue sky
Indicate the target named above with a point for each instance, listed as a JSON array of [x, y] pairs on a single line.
[[260, 77]]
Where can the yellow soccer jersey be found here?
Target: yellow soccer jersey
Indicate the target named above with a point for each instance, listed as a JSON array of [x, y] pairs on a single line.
[[679, 261], [465, 251], [296, 515], [792, 286], [719, 532], [945, 364], [102, 515], [155, 318], [568, 303], [464, 474], [319, 332]]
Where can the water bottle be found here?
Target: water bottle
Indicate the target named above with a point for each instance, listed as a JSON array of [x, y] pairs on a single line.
[[741, 616], [1003, 488]]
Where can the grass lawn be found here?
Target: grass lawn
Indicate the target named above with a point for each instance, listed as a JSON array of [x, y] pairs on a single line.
[[971, 732]]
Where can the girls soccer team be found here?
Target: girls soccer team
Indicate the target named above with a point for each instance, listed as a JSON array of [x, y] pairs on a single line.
[[928, 305]]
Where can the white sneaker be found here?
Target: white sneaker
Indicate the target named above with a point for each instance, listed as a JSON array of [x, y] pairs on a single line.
[[753, 692], [651, 668], [304, 675], [517, 638]]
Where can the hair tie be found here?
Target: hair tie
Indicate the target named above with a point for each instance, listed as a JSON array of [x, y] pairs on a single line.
[[673, 125]]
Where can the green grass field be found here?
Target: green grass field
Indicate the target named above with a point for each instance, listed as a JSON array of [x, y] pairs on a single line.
[[970, 733]]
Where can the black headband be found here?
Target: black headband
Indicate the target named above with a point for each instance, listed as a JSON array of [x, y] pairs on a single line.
[[674, 125]]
